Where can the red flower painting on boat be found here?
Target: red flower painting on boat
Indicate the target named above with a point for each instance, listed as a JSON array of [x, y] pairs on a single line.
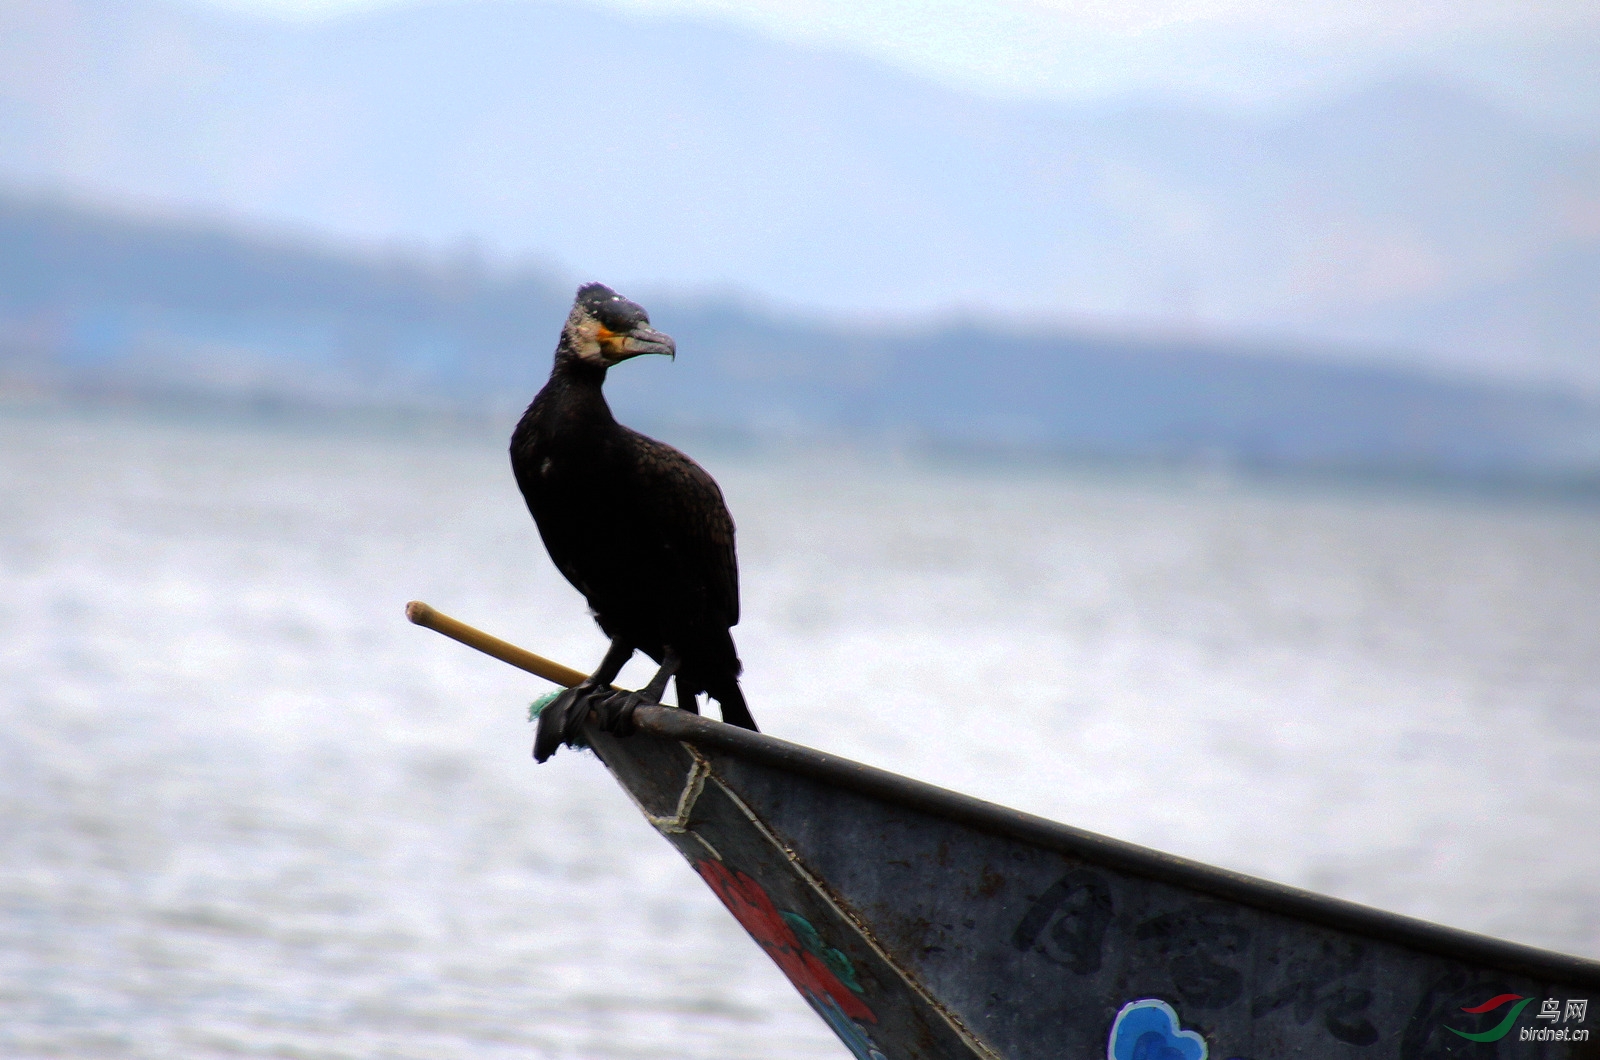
[[747, 900]]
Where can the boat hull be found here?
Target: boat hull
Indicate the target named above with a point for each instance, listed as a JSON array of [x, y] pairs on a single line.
[[925, 925]]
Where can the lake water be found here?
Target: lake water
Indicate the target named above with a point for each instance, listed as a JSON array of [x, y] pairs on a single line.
[[249, 811]]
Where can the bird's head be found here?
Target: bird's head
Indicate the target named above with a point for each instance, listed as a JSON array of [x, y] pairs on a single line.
[[605, 328]]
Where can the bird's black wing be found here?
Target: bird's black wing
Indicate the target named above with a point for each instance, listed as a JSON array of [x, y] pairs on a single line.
[[692, 527]]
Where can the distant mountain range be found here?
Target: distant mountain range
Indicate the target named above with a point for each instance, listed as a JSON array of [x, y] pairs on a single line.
[[97, 304], [1413, 219]]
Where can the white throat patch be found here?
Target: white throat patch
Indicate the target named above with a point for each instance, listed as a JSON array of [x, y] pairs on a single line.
[[583, 337]]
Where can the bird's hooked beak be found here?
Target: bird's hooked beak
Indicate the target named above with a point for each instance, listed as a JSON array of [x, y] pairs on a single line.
[[645, 339]]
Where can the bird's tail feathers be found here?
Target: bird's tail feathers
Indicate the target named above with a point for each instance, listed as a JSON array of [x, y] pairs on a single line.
[[734, 710]]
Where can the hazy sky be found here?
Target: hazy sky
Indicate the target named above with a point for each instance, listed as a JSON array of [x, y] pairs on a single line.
[[1545, 53]]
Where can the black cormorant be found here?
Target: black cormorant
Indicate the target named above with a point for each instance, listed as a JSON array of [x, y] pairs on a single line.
[[637, 527]]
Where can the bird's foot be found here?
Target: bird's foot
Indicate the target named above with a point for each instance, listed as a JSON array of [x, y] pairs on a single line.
[[561, 721], [615, 712]]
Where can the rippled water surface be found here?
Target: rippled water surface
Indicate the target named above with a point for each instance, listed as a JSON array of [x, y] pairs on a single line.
[[249, 811]]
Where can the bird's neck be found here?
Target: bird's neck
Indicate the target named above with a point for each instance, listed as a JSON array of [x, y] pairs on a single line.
[[572, 403], [575, 373]]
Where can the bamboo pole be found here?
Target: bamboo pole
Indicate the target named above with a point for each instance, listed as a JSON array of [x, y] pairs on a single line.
[[423, 615]]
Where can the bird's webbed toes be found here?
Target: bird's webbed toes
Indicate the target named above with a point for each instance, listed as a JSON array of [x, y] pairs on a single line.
[[615, 712]]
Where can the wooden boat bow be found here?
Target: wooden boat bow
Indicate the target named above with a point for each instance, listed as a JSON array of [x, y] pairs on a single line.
[[924, 924], [971, 929]]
